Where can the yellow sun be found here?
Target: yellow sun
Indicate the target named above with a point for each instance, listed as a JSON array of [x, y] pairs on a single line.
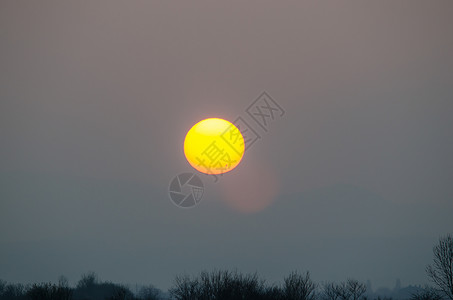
[[214, 146]]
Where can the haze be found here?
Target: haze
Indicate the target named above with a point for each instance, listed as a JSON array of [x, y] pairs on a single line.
[[354, 180]]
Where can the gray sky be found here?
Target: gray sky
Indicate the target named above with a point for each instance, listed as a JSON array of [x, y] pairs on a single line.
[[96, 98]]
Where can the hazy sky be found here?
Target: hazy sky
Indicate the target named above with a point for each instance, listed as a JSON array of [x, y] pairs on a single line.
[[355, 180]]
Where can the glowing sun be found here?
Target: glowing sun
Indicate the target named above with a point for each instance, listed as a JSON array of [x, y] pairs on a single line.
[[214, 146]]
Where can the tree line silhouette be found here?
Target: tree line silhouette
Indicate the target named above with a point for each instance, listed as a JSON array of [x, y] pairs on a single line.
[[217, 284], [88, 288], [233, 285], [226, 285], [213, 285]]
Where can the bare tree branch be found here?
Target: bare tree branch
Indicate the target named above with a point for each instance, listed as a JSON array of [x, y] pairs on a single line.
[[441, 272]]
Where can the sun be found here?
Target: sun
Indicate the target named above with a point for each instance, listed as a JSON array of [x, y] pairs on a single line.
[[214, 146]]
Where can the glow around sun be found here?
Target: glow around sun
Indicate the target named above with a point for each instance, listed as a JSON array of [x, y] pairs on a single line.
[[214, 146]]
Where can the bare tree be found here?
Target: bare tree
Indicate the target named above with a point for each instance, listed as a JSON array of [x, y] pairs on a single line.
[[2, 286], [426, 294], [356, 289], [185, 288], [343, 291], [49, 291], [63, 281], [441, 272], [121, 293], [14, 291], [349, 290], [88, 280], [299, 287], [219, 285], [330, 291], [150, 293]]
